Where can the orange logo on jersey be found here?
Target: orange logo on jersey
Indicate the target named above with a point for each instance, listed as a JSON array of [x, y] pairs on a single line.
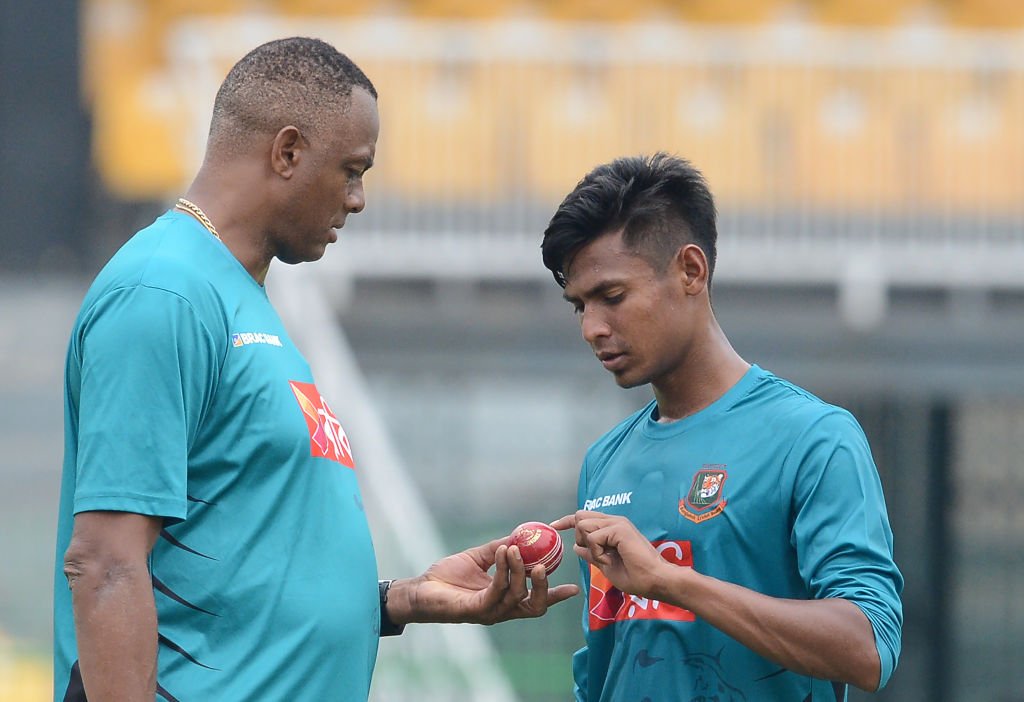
[[607, 604], [326, 437]]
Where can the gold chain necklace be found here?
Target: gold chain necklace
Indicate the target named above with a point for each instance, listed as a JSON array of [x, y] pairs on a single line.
[[193, 209]]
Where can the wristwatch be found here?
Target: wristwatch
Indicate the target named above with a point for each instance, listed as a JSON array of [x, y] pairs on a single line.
[[387, 627]]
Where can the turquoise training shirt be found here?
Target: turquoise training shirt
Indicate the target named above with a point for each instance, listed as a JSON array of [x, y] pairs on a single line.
[[769, 488], [186, 400]]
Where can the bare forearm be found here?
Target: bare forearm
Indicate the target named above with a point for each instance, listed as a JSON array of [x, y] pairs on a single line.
[[829, 639], [116, 629]]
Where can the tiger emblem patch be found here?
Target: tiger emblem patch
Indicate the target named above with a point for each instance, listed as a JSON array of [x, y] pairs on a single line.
[[705, 498]]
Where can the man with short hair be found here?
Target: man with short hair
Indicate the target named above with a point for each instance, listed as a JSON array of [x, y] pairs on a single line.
[[211, 529], [733, 536]]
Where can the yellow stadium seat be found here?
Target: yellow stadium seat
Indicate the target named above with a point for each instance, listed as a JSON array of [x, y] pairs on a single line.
[[776, 107], [986, 13], [459, 9], [709, 115], [329, 8], [138, 143], [109, 46], [846, 142], [975, 146], [917, 96], [731, 11], [600, 10], [440, 135], [703, 114], [178, 8], [866, 12], [160, 17], [573, 123]]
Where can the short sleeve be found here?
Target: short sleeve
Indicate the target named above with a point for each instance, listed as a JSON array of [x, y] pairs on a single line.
[[148, 369], [841, 530]]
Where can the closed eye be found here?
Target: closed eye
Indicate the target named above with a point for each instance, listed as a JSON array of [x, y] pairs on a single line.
[[358, 169], [577, 304]]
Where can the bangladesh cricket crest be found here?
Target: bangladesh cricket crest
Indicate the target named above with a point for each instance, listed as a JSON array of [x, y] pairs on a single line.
[[705, 498]]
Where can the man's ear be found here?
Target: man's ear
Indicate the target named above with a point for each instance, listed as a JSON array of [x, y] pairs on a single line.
[[692, 267], [286, 150]]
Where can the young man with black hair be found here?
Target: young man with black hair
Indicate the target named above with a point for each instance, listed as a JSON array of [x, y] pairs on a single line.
[[733, 535]]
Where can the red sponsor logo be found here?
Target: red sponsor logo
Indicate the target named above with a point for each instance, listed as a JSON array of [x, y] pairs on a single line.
[[608, 604], [326, 437]]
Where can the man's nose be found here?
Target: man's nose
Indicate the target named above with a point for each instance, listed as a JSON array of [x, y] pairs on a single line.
[[593, 327], [355, 201]]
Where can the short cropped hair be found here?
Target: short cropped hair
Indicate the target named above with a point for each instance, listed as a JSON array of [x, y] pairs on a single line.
[[296, 81], [660, 203]]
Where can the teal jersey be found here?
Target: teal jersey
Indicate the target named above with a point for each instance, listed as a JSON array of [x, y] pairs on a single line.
[[185, 399], [769, 488]]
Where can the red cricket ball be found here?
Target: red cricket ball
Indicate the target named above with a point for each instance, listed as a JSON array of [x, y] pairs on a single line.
[[538, 543]]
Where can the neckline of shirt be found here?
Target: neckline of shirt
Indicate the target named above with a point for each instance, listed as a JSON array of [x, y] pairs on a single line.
[[217, 243], [663, 430]]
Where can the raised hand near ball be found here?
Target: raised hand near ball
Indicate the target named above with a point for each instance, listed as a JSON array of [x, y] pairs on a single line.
[[619, 550]]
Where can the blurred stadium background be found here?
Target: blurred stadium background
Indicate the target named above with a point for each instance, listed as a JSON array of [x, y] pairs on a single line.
[[868, 158]]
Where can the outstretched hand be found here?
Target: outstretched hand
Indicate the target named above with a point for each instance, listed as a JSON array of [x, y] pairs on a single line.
[[459, 588], [618, 549]]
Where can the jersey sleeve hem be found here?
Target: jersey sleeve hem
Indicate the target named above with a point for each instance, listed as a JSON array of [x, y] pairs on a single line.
[[887, 656], [147, 505]]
